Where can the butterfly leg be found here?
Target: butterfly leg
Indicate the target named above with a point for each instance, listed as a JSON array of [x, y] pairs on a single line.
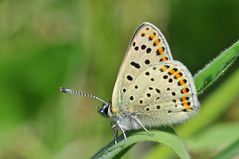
[[123, 132], [139, 122], [115, 133]]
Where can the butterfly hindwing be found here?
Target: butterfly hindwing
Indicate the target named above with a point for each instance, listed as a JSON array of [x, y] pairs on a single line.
[[163, 94], [147, 47]]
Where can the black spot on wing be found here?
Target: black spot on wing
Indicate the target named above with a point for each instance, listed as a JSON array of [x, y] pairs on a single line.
[[136, 65]]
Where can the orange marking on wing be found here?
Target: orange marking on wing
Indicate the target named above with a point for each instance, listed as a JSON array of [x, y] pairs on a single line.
[[156, 42], [184, 99], [184, 90], [178, 75], [164, 59], [160, 51], [187, 105], [172, 72], [182, 82], [163, 68], [151, 37]]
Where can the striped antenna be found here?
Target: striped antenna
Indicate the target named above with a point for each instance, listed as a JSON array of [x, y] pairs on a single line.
[[66, 90]]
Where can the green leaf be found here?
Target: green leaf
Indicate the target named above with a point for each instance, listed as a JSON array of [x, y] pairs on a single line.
[[210, 73], [208, 139], [203, 79], [164, 135], [229, 152]]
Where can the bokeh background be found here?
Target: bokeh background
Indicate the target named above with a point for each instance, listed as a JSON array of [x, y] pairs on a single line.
[[45, 44]]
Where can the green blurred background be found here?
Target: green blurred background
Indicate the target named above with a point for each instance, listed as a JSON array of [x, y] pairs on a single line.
[[45, 44]]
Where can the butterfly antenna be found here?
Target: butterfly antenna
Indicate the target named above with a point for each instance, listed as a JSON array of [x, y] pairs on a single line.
[[66, 90]]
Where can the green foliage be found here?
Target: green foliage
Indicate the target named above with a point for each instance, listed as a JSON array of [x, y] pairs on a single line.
[[230, 151], [166, 136], [209, 74], [209, 138]]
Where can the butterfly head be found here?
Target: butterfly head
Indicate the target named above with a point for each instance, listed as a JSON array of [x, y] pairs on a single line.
[[104, 110]]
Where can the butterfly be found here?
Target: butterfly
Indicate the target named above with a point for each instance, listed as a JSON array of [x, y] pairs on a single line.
[[151, 88]]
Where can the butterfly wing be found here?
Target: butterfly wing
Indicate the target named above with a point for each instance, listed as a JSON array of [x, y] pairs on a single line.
[[163, 94], [147, 47]]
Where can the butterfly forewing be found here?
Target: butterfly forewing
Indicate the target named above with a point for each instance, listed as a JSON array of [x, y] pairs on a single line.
[[163, 94], [147, 47]]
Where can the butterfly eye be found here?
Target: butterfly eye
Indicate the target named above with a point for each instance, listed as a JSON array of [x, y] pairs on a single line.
[[104, 110]]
